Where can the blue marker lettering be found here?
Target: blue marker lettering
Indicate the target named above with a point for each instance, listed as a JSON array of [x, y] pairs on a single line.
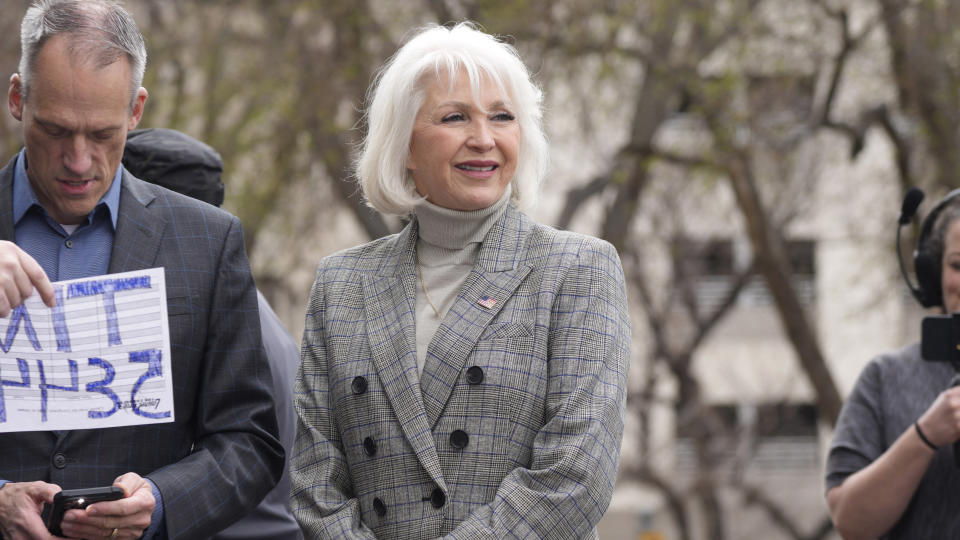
[[107, 287], [102, 386], [74, 386], [154, 369], [24, 383], [60, 321], [20, 314]]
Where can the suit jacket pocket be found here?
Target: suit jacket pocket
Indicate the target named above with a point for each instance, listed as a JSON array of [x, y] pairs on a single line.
[[505, 330]]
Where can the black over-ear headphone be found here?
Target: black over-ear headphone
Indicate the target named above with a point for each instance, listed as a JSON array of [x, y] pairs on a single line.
[[926, 260]]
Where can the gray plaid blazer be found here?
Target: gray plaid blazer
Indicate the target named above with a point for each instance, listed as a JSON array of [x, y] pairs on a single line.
[[221, 454], [513, 429]]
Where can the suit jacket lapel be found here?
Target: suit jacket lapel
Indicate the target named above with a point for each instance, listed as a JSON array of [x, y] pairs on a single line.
[[139, 230], [495, 276], [391, 331], [6, 201], [139, 227]]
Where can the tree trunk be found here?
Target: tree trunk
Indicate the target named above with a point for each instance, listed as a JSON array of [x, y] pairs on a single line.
[[773, 265]]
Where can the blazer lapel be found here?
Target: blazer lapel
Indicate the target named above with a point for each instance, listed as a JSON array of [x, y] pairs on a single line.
[[140, 225], [495, 276], [6, 201], [391, 327]]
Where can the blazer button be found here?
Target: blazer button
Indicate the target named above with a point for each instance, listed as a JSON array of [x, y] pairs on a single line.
[[437, 498], [369, 446], [59, 460], [359, 385], [459, 439], [379, 507], [475, 375]]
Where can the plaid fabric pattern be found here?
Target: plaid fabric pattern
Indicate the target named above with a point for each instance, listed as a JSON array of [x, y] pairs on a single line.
[[221, 455], [512, 431]]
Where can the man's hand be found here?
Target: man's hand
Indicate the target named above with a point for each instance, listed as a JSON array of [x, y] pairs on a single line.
[[129, 516], [19, 275], [20, 507]]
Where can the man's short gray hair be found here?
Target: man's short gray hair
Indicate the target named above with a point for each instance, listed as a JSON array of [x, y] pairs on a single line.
[[101, 31], [400, 89]]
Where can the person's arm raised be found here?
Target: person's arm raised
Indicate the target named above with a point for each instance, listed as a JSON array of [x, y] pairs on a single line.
[[871, 501]]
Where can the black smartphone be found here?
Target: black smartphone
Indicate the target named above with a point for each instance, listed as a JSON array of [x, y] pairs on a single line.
[[940, 338], [70, 499]]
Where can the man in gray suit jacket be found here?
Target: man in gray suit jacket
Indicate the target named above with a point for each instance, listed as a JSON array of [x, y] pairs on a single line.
[[67, 210]]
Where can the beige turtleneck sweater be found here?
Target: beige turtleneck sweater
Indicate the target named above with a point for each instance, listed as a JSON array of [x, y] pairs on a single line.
[[448, 242]]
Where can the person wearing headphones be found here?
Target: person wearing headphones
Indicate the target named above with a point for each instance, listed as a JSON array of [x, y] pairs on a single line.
[[891, 472]]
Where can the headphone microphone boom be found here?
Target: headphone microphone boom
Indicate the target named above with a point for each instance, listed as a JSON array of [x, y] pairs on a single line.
[[911, 201]]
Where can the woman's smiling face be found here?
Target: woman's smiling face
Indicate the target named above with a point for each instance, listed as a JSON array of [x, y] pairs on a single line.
[[950, 269], [463, 149]]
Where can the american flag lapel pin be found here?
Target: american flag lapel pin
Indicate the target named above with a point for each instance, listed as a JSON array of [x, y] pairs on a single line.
[[487, 302]]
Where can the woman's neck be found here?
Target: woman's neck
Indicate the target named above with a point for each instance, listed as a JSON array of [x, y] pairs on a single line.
[[456, 229]]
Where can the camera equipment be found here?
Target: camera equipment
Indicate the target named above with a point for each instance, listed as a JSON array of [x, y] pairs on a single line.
[[940, 338]]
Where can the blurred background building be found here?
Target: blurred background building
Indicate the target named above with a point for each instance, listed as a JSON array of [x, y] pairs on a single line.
[[746, 157]]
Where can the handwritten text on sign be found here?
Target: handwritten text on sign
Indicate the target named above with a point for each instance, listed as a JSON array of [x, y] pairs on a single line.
[[100, 358]]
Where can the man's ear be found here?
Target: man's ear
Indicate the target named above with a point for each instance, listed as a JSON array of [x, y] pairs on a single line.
[[15, 97], [137, 113]]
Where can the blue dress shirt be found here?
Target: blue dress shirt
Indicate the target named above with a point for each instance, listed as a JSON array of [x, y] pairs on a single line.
[[85, 252]]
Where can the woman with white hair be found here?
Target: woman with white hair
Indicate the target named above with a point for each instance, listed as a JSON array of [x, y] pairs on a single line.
[[466, 377]]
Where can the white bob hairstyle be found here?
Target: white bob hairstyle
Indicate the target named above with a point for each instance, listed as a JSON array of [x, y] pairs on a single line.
[[400, 90]]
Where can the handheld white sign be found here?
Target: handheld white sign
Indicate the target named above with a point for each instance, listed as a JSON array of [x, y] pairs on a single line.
[[100, 358]]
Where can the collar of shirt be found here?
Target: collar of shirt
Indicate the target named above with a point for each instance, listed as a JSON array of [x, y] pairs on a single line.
[[24, 197]]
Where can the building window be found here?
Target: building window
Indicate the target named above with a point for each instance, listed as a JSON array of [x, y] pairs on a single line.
[[767, 436], [801, 258], [712, 263]]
